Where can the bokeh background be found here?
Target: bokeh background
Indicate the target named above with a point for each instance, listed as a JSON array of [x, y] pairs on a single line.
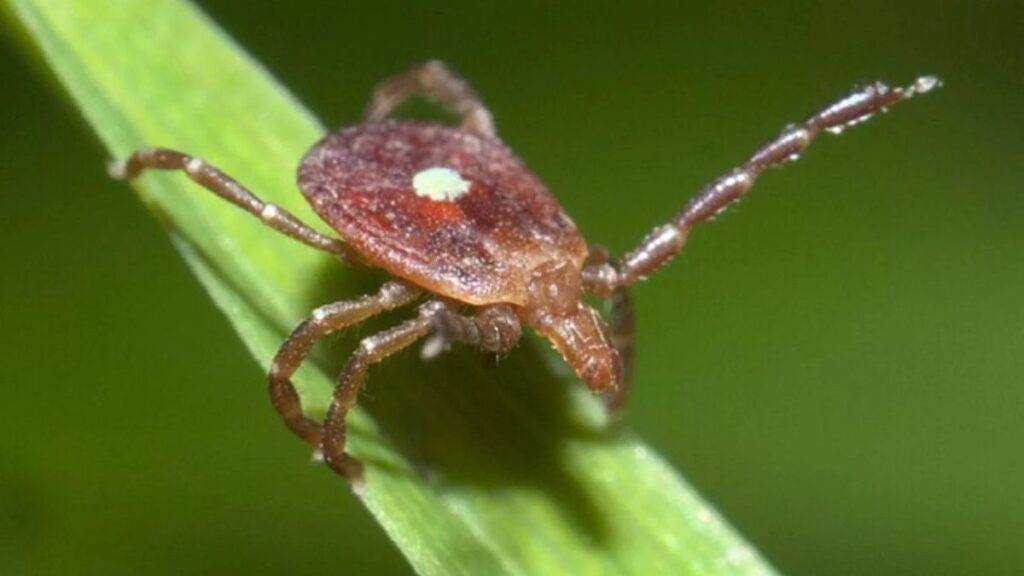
[[837, 364]]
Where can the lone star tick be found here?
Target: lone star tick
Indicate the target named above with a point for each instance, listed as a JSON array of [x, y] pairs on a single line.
[[463, 225]]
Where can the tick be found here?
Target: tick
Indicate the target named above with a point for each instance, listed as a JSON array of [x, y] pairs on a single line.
[[468, 232]]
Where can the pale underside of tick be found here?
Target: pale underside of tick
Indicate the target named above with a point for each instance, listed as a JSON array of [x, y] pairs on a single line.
[[468, 231]]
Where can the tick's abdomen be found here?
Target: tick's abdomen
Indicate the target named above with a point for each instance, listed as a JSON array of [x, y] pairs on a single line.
[[451, 211]]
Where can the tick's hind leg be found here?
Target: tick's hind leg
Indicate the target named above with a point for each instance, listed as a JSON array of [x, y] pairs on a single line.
[[664, 242], [227, 188], [323, 321], [370, 351], [440, 84]]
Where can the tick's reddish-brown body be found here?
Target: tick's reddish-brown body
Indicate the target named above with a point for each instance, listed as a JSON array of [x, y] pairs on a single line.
[[480, 248], [463, 225]]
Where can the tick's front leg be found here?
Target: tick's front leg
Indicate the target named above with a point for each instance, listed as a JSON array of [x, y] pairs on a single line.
[[323, 321], [370, 351], [494, 328], [623, 333], [664, 242]]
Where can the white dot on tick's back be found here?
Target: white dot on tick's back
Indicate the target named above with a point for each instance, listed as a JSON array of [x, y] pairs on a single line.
[[439, 183]]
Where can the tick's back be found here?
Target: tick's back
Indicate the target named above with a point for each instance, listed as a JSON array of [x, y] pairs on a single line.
[[451, 211]]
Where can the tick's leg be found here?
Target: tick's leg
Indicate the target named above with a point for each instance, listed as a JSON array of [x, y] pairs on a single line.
[[665, 242], [440, 84], [623, 331], [623, 328], [323, 321], [227, 188], [494, 328], [370, 351]]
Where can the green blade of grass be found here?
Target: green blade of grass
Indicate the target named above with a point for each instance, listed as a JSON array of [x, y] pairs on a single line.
[[471, 469]]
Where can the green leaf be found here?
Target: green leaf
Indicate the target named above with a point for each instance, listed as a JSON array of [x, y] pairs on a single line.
[[471, 468]]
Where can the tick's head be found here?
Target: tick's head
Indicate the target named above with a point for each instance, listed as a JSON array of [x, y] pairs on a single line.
[[554, 289], [576, 330], [581, 337]]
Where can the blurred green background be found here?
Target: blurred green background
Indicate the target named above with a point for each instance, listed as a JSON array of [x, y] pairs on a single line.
[[836, 364]]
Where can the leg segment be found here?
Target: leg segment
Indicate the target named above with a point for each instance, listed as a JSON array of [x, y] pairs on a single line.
[[493, 328], [623, 332], [323, 321], [666, 241], [438, 83], [227, 188], [370, 351]]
